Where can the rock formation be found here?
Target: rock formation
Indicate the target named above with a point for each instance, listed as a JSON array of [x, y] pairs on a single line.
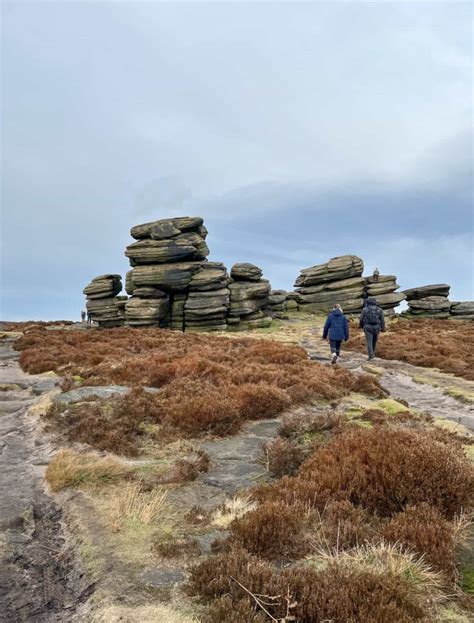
[[340, 281], [249, 298], [429, 301], [277, 303], [102, 302], [463, 310], [171, 282]]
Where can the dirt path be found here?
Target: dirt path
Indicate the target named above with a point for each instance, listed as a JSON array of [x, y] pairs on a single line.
[[37, 578], [423, 389]]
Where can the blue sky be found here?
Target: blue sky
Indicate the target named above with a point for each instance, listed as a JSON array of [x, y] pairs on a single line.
[[298, 131]]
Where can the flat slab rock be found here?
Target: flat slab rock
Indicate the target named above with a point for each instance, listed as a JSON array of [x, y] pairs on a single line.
[[100, 392], [163, 577]]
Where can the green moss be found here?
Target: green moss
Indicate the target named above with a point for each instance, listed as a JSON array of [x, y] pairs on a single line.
[[469, 452], [467, 583], [373, 370], [78, 379], [450, 426], [460, 394], [363, 423], [354, 412], [390, 406], [424, 380]]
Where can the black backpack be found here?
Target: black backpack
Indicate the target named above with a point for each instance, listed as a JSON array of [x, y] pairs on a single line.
[[372, 315]]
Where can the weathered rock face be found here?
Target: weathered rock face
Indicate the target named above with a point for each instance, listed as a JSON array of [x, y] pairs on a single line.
[[102, 303], [338, 281], [438, 289], [249, 298], [103, 286], [169, 265], [463, 310], [428, 301], [337, 268], [246, 272], [278, 303]]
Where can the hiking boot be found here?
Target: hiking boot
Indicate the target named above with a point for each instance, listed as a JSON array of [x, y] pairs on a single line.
[[334, 358]]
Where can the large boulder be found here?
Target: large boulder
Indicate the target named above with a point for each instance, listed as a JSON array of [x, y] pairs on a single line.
[[169, 228], [189, 246], [438, 289], [430, 303], [103, 286], [146, 312], [212, 276], [246, 272], [167, 277], [462, 309], [337, 268]]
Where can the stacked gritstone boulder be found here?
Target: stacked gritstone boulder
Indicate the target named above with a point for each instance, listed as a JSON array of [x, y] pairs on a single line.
[[463, 310], [428, 301], [249, 298], [103, 304], [171, 282], [278, 303], [383, 289], [337, 281]]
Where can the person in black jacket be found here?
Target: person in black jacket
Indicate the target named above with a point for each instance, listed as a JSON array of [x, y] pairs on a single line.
[[372, 321], [337, 328]]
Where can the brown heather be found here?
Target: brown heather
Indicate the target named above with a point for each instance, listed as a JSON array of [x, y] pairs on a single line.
[[441, 344], [382, 470], [209, 384]]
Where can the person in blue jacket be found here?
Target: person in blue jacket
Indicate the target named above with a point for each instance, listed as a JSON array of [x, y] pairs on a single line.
[[337, 328]]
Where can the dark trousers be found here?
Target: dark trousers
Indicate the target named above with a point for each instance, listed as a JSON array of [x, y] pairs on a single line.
[[371, 337], [335, 346]]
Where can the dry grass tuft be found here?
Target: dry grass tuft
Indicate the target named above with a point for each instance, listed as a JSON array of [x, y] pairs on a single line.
[[232, 509], [72, 469], [131, 504]]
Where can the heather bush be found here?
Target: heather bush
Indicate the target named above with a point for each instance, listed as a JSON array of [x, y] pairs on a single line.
[[215, 576], [225, 610], [383, 470], [284, 457], [342, 525], [424, 530], [273, 530]]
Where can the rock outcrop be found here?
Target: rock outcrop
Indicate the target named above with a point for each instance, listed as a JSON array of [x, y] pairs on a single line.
[[102, 303], [249, 298], [463, 310], [277, 303], [338, 281], [171, 282], [429, 301]]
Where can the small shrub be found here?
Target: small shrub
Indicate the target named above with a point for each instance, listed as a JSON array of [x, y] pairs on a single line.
[[178, 548], [424, 530], [72, 469], [225, 610], [343, 525], [215, 576], [303, 426], [130, 503], [186, 470], [284, 457], [273, 530]]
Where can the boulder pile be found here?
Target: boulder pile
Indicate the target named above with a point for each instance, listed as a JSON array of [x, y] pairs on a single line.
[[429, 301], [249, 298], [102, 303], [171, 282]]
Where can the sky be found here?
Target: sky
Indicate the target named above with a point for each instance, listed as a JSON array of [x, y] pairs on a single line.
[[299, 131]]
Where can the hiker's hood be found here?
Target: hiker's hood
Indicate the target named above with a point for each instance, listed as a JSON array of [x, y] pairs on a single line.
[[337, 312]]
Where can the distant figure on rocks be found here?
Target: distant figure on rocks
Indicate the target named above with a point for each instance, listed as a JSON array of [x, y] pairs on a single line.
[[375, 275], [372, 321], [337, 328], [83, 316], [89, 318]]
